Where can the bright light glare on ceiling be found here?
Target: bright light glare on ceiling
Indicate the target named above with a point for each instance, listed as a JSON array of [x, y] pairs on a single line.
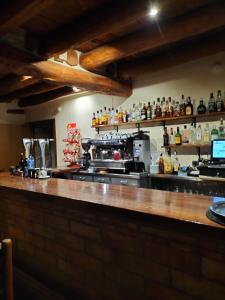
[[153, 12], [75, 89]]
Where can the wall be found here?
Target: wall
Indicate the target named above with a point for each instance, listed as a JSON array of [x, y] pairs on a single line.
[[12, 130], [196, 79]]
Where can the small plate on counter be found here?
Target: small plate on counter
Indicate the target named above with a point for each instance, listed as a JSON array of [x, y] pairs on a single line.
[[216, 212]]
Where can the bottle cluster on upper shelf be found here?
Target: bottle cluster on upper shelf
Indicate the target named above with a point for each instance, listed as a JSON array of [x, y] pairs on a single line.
[[161, 108], [194, 135]]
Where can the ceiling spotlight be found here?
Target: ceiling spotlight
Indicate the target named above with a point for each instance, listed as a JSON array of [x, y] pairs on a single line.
[[153, 12], [75, 89]]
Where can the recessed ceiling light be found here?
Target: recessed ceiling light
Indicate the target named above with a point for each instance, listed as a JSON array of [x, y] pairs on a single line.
[[75, 89], [153, 11]]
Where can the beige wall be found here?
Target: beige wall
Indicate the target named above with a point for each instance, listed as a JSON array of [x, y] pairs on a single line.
[[11, 144], [196, 79]]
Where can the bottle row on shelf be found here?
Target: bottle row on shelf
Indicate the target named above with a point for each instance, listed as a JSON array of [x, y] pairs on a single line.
[[193, 135], [161, 108], [168, 164]]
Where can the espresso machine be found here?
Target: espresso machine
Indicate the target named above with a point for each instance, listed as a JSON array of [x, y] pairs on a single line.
[[125, 154]]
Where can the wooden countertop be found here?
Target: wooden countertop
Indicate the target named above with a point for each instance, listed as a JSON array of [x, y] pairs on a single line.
[[178, 206]]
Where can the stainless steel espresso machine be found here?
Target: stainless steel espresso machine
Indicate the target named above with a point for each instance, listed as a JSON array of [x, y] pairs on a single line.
[[123, 154]]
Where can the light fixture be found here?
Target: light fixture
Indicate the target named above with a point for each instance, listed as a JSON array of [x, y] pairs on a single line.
[[153, 12], [75, 89]]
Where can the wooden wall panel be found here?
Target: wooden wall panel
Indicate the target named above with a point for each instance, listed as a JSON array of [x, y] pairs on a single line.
[[11, 144]]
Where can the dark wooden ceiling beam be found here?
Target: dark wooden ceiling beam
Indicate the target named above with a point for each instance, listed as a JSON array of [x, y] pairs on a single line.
[[34, 89], [195, 24], [58, 74], [45, 97], [15, 111], [15, 13], [109, 19], [12, 83], [11, 52], [172, 57]]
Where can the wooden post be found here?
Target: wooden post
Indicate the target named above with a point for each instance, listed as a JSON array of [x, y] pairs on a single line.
[[8, 276]]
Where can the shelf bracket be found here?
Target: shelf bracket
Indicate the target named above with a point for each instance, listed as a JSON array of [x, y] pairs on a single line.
[[116, 127], [199, 153], [138, 126], [194, 120], [97, 129]]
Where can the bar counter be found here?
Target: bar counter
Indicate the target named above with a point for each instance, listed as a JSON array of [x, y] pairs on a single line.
[[99, 241]]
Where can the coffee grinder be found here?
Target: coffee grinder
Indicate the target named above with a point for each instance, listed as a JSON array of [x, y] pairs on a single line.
[[86, 145]]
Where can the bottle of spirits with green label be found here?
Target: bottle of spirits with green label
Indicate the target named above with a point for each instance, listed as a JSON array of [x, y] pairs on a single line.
[[219, 102], [178, 140], [211, 104], [221, 130], [214, 133]]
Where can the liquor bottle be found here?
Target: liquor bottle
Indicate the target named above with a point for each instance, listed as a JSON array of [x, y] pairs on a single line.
[[171, 137], [168, 166], [144, 113], [163, 107], [158, 111], [176, 112], [219, 102], [198, 136], [112, 116], [201, 108], [109, 116], [170, 108], [97, 121], [165, 137], [192, 133], [214, 133], [120, 115], [134, 113], [161, 164], [100, 117], [178, 140], [124, 116], [182, 106], [129, 115], [153, 110], [221, 130], [93, 122], [185, 135], [176, 164], [105, 114], [138, 112], [189, 107], [211, 104], [22, 162], [116, 117], [206, 134], [149, 111]]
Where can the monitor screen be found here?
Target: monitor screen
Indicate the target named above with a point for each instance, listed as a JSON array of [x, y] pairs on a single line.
[[218, 150]]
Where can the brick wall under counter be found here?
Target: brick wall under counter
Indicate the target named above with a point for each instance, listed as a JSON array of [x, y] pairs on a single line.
[[98, 252]]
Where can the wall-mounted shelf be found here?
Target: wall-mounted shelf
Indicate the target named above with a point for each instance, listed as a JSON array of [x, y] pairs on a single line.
[[161, 122], [198, 147], [184, 146]]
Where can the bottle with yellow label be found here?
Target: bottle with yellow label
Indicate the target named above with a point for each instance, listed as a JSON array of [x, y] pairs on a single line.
[[93, 122], [168, 166], [178, 140], [189, 107]]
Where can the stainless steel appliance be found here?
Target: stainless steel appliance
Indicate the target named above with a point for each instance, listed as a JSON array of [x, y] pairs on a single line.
[[141, 148], [86, 145]]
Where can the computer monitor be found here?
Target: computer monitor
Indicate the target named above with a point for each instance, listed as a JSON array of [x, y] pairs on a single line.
[[218, 151]]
